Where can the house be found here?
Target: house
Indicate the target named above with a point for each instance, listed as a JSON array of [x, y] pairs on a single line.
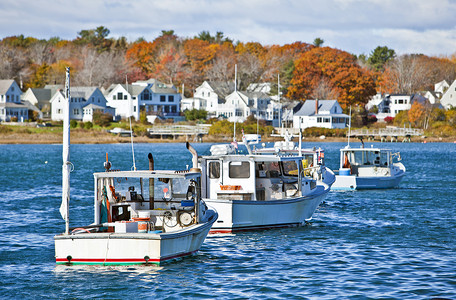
[[11, 106], [41, 99], [245, 104], [320, 113], [441, 87], [448, 99], [151, 96], [84, 102], [433, 97], [208, 96]]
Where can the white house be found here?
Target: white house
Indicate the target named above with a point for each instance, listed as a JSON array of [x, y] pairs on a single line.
[[208, 96], [10, 102], [151, 96], [320, 113], [83, 103], [399, 102], [245, 104], [441, 87], [41, 98], [448, 99]]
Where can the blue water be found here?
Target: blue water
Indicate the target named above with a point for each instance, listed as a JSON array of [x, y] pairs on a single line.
[[379, 244]]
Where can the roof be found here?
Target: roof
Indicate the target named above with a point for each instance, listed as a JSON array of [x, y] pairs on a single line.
[[13, 105], [258, 95], [42, 94], [94, 106], [5, 84], [222, 88], [308, 108], [82, 91]]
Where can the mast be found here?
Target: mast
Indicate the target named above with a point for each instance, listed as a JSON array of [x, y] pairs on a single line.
[[235, 92], [349, 126], [130, 101], [64, 207], [278, 99]]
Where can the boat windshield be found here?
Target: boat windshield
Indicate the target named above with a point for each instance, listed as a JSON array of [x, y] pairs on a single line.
[[368, 158], [290, 168], [268, 169]]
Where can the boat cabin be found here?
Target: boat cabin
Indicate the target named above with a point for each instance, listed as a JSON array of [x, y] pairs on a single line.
[[254, 177], [167, 200], [360, 160]]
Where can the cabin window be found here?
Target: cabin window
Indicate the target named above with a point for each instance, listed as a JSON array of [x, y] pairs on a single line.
[[290, 168], [239, 169], [214, 169], [268, 170]]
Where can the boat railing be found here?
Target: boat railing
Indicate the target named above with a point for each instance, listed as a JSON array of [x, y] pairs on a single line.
[[313, 172]]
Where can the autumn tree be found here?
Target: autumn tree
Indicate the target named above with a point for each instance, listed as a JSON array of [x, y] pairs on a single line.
[[416, 114], [341, 72], [405, 74]]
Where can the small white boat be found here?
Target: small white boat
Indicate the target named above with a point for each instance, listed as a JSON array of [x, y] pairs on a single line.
[[258, 191], [140, 217], [121, 132], [368, 168]]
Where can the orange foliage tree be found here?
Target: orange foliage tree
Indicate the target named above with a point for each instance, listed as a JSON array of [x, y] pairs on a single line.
[[416, 113], [339, 69]]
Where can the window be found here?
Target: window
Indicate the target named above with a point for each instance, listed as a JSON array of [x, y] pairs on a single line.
[[114, 97], [239, 169], [395, 101], [174, 109], [209, 94], [162, 98], [119, 96], [401, 101], [75, 111], [134, 108], [12, 88], [125, 97], [170, 98], [290, 168], [202, 93], [319, 120], [7, 98], [214, 169]]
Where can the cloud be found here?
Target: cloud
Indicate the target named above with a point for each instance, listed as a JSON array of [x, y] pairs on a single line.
[[357, 26]]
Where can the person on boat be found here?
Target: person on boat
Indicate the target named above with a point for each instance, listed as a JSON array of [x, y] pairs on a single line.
[[347, 164]]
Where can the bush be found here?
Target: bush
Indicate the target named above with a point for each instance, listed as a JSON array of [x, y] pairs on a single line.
[[73, 123], [195, 114], [88, 125], [389, 120], [5, 129], [102, 119]]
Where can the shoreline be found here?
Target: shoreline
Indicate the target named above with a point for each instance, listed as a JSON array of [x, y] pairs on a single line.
[[107, 138]]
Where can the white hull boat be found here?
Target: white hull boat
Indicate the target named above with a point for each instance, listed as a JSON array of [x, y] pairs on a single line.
[[258, 191], [140, 217], [129, 230], [368, 168]]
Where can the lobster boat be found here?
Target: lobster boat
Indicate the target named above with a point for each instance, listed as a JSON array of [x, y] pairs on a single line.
[[140, 216], [368, 168], [258, 191]]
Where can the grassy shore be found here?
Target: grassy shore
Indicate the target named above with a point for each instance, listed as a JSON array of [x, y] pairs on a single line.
[[53, 135]]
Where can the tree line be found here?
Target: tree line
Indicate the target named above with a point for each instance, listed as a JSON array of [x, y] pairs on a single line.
[[306, 70]]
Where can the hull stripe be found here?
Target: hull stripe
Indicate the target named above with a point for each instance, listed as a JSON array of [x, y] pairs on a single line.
[[119, 261]]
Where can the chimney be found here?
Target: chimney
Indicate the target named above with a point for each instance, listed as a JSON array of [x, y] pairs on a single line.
[[316, 106]]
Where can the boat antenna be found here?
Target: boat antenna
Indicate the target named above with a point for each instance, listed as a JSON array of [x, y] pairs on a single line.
[[67, 166], [131, 130], [235, 92], [278, 99], [349, 127]]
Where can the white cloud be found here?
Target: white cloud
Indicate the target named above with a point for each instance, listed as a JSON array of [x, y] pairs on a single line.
[[357, 26]]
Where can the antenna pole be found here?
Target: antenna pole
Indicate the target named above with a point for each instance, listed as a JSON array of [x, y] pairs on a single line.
[[235, 92], [131, 130], [349, 126]]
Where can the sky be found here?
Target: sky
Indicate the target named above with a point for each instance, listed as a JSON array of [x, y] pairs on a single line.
[[356, 26]]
